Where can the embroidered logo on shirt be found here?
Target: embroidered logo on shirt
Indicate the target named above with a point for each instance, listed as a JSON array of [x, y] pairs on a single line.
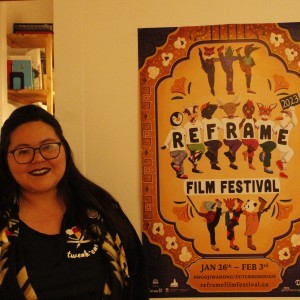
[[75, 236]]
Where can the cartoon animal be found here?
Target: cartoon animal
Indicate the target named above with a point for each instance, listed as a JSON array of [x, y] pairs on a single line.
[[265, 134], [193, 136], [212, 219], [227, 60], [288, 120], [253, 219], [231, 130], [232, 217], [246, 65], [176, 141], [211, 127], [208, 65], [247, 127]]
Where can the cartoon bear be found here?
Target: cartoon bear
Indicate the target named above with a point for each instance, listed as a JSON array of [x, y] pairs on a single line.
[[252, 219]]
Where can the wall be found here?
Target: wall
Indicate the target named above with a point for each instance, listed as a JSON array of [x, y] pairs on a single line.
[[3, 65], [96, 76], [40, 11]]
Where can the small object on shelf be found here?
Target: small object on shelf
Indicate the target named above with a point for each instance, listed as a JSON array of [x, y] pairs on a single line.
[[21, 64], [16, 80]]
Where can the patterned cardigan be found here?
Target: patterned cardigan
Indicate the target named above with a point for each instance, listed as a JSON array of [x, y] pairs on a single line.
[[127, 279]]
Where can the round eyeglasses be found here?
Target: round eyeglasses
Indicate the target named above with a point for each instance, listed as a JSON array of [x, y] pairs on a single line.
[[25, 155]]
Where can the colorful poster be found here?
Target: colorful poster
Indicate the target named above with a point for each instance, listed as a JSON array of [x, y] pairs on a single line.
[[220, 159]]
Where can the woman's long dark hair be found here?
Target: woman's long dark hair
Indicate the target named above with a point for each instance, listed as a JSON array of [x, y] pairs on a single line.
[[78, 191]]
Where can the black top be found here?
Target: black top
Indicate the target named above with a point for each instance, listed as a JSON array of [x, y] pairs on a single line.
[[68, 265], [72, 265]]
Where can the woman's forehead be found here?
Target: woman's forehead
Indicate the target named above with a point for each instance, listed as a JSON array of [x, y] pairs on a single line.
[[32, 132]]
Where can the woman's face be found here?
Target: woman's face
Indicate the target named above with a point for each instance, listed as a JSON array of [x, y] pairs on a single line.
[[40, 175]]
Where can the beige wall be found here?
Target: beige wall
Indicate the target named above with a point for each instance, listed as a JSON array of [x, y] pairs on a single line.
[[96, 76], [40, 11]]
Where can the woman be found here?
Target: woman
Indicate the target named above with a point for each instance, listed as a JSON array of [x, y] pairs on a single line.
[[61, 235]]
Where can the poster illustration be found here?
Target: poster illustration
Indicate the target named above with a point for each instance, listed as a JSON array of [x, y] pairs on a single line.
[[220, 142]]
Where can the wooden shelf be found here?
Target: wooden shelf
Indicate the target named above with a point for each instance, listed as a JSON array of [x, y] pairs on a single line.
[[29, 96], [29, 40]]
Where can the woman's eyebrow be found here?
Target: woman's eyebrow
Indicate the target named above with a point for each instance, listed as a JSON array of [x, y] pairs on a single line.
[[20, 146], [24, 145], [49, 140]]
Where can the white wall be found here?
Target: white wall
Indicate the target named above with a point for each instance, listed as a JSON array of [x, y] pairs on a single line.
[[3, 65], [40, 11], [96, 76]]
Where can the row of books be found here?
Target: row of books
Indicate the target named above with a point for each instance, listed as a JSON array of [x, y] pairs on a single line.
[[26, 71], [33, 28]]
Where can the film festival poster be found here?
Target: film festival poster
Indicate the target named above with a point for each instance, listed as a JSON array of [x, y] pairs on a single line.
[[220, 159]]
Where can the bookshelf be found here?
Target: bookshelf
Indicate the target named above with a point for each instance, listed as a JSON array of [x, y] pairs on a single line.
[[29, 96]]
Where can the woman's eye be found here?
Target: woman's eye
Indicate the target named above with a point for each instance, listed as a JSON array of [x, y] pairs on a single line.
[[47, 147], [23, 151]]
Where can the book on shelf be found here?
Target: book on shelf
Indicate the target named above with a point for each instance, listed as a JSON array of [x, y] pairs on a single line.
[[37, 70], [20, 72], [33, 28], [9, 69]]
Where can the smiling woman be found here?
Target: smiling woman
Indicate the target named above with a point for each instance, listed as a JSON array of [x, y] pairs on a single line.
[[61, 235]]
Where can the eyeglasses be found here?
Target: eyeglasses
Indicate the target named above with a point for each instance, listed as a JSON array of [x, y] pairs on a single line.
[[26, 155]]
